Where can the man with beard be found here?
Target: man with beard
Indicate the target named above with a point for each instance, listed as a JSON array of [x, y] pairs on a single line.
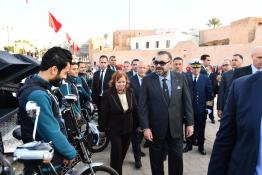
[[164, 101], [37, 88]]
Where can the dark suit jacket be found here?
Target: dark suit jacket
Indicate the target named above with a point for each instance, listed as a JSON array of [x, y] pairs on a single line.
[[213, 78], [242, 71], [203, 71], [204, 93], [156, 114], [236, 147], [224, 86], [95, 89], [130, 74], [134, 84], [110, 67], [113, 119]]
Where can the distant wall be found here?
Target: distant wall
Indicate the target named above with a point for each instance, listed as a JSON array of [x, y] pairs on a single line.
[[188, 51]]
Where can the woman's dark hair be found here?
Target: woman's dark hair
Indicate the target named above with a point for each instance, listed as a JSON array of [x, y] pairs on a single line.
[[116, 76], [56, 56]]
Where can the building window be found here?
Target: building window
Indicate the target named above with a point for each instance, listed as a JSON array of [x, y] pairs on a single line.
[[137, 45], [147, 45], [167, 43], [157, 44]]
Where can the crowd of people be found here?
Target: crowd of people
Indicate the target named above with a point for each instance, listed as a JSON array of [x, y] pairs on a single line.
[[158, 102]]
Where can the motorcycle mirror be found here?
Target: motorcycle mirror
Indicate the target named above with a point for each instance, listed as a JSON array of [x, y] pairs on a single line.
[[33, 111]]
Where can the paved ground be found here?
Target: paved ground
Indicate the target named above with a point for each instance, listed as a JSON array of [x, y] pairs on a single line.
[[194, 163]]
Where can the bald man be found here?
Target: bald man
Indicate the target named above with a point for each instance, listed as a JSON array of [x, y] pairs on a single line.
[[256, 65], [135, 84], [238, 145]]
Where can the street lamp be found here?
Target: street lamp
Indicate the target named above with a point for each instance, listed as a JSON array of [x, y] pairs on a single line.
[[8, 29]]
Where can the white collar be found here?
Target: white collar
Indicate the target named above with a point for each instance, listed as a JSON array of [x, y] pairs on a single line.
[[193, 77], [254, 69]]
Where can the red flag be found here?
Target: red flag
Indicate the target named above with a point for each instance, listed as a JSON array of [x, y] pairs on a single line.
[[54, 23], [68, 38], [75, 47]]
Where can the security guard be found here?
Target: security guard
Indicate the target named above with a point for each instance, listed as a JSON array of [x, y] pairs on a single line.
[[201, 91]]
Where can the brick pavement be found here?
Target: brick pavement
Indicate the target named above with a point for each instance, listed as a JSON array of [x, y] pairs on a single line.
[[194, 163]]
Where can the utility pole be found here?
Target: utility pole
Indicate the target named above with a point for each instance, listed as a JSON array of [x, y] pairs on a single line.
[[129, 15], [7, 28]]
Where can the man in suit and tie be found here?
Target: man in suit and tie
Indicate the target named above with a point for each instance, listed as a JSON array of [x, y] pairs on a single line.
[[134, 68], [112, 63], [126, 66], [225, 83], [178, 64], [206, 69], [206, 63], [164, 101], [135, 84], [250, 69], [201, 91], [238, 145], [100, 81]]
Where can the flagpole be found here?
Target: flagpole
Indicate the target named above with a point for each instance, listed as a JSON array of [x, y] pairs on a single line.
[[129, 16]]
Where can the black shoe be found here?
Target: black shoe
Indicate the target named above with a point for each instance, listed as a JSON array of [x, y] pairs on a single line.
[[187, 148], [138, 164], [142, 154], [202, 151], [213, 121]]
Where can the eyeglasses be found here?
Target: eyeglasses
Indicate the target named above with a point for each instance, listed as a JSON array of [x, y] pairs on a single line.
[[225, 65], [234, 59], [161, 63]]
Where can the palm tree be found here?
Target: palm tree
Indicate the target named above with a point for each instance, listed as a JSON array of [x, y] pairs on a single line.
[[214, 22]]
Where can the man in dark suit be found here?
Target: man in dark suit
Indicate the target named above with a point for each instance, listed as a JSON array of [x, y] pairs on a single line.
[[201, 91], [135, 84], [246, 70], [226, 80], [206, 63], [237, 148], [178, 64], [206, 69], [112, 63], [164, 101], [126, 66], [134, 68], [100, 81]]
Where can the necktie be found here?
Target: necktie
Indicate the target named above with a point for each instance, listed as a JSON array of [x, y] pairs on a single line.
[[194, 87], [100, 87], [194, 82], [165, 91]]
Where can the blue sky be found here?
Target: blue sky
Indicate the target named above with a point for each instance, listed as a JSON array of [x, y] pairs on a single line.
[[85, 18]]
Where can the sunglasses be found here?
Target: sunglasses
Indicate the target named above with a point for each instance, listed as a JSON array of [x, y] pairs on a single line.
[[225, 65], [161, 63]]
